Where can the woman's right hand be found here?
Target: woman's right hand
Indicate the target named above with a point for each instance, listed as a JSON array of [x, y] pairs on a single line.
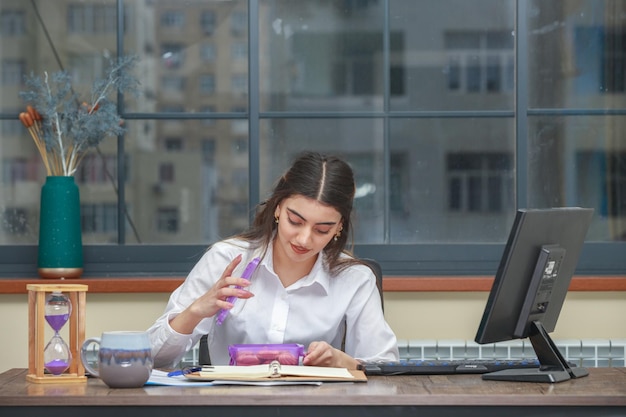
[[211, 302]]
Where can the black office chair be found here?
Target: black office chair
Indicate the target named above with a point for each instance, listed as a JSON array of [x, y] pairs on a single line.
[[378, 272], [203, 347]]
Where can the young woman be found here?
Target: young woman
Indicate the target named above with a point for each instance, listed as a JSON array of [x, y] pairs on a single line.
[[306, 288]]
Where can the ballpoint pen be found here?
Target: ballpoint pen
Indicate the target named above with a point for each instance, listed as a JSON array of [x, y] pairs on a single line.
[[247, 273], [185, 371]]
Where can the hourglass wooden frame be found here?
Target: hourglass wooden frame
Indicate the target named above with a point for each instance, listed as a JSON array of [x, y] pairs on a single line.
[[36, 332]]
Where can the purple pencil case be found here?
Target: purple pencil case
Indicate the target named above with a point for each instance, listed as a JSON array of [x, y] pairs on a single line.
[[258, 354]]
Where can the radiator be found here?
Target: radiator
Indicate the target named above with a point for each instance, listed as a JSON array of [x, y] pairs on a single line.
[[587, 352]]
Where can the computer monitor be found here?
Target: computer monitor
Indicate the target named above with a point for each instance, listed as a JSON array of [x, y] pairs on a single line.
[[530, 286]]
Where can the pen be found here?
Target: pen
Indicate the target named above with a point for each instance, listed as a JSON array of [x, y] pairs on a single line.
[[185, 371], [247, 273]]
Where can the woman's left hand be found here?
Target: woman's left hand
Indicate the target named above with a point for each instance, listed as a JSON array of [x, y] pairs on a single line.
[[323, 354]]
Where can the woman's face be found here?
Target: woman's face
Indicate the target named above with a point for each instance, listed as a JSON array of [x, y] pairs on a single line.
[[305, 227]]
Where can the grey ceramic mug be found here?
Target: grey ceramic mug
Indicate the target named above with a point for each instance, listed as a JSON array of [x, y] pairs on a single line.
[[124, 358]]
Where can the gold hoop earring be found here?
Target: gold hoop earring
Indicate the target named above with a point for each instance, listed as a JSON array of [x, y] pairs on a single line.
[[275, 219], [338, 235]]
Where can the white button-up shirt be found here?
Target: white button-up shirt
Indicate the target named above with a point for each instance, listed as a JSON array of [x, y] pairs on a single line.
[[318, 307]]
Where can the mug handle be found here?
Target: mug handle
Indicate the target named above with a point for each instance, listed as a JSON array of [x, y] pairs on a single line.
[[83, 355]]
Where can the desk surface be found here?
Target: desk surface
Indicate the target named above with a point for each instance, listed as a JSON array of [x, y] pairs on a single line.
[[603, 392]]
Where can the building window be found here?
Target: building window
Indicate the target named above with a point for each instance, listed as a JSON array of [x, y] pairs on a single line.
[[97, 169], [167, 219], [238, 23], [600, 60], [173, 144], [19, 169], [352, 71], [91, 19], [207, 84], [85, 68], [98, 218], [173, 83], [353, 76], [239, 51], [166, 172], [239, 178], [614, 61], [208, 150], [601, 179], [616, 184], [399, 182], [239, 84], [207, 52], [207, 22], [480, 62], [396, 81], [173, 19], [13, 71], [480, 182], [14, 221], [12, 23]]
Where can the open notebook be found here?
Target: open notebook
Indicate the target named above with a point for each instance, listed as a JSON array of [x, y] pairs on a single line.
[[277, 372]]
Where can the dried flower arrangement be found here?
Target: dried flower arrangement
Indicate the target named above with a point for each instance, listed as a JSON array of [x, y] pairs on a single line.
[[63, 127]]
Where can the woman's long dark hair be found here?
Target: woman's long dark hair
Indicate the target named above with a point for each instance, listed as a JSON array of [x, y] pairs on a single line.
[[324, 178]]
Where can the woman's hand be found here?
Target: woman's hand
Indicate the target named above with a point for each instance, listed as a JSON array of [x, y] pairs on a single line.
[[211, 302], [323, 354]]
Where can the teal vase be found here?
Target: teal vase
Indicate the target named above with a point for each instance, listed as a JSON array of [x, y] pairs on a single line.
[[60, 241]]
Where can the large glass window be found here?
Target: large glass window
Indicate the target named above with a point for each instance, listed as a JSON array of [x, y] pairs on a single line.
[[452, 113]]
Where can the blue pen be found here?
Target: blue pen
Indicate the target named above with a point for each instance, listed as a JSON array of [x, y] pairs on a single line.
[[247, 274], [185, 371]]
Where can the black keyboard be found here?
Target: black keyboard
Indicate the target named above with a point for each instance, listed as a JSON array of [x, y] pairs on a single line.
[[444, 366]]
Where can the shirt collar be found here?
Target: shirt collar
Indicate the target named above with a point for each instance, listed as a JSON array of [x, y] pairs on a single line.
[[317, 276]]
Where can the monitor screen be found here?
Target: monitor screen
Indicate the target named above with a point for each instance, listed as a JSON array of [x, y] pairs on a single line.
[[530, 286]]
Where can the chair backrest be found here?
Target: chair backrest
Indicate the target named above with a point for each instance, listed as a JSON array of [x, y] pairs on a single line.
[[203, 347], [378, 272]]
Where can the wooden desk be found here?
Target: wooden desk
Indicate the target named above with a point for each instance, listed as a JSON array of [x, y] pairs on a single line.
[[602, 393]]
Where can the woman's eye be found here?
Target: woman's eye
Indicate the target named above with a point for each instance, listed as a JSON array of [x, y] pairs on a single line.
[[323, 232], [295, 223]]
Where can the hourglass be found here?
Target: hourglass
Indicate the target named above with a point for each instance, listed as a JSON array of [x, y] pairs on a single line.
[[56, 305]]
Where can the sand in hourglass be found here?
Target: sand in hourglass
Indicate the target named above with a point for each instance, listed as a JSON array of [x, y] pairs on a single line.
[[57, 321]]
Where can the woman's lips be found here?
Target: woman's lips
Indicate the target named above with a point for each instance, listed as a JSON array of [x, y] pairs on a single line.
[[298, 249]]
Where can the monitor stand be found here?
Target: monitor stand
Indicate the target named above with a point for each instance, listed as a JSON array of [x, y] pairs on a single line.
[[553, 366]]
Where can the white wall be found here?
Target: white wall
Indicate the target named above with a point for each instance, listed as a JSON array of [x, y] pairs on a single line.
[[426, 315]]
